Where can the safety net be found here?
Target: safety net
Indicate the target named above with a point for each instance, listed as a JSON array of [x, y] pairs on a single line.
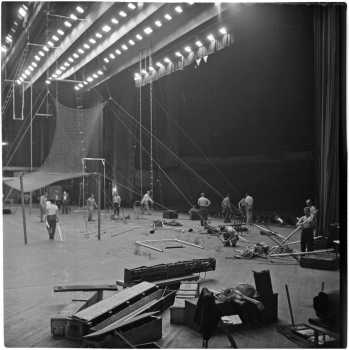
[[74, 133]]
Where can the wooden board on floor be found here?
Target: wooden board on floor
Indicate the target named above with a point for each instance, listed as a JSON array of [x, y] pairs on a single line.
[[85, 288]]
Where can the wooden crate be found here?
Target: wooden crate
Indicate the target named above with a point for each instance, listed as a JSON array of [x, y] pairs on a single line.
[[80, 301]]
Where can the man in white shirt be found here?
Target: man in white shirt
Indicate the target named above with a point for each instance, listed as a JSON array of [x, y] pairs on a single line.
[[203, 204], [43, 199], [226, 208], [249, 208], [51, 218], [146, 202], [91, 205], [307, 224]]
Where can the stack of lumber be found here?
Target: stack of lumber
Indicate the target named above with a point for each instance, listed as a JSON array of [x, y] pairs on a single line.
[[126, 318], [187, 290], [167, 271]]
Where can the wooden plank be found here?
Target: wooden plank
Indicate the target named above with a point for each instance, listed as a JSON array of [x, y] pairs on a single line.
[[149, 246], [304, 253], [189, 243], [127, 310], [85, 287], [112, 302]]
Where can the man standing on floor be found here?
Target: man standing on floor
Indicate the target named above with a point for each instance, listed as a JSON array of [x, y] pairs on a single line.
[[51, 218], [43, 200], [307, 224], [249, 208], [226, 208], [116, 203], [146, 202], [91, 205], [65, 203], [203, 204]]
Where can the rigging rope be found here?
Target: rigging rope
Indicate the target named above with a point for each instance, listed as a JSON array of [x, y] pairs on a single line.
[[195, 145], [156, 163], [169, 150]]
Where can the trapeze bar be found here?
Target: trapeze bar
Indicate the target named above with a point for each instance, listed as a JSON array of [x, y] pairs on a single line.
[[43, 115]]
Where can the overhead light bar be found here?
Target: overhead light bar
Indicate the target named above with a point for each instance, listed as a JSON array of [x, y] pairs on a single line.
[[80, 9], [131, 42], [71, 59], [67, 24], [73, 17], [131, 6], [114, 20], [45, 48], [123, 14], [99, 35], [75, 55], [118, 52], [158, 23], [106, 28], [112, 56], [50, 43], [55, 37], [139, 37], [92, 41], [81, 51], [60, 32], [86, 46], [41, 53], [124, 47], [106, 60], [178, 9]]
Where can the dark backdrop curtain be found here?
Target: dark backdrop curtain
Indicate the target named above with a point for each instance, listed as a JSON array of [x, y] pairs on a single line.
[[329, 41]]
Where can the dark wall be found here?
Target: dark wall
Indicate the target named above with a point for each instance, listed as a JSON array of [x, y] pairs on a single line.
[[250, 105]]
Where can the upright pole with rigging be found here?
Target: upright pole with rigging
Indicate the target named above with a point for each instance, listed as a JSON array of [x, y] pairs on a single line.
[[151, 130], [140, 130]]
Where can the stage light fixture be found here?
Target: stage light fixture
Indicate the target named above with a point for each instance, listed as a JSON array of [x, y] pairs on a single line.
[[131, 42], [79, 9], [148, 30], [178, 9], [3, 48], [114, 20], [47, 82], [81, 51], [167, 60], [89, 79], [139, 37], [80, 85], [158, 23], [62, 68], [86, 46], [118, 52], [50, 43], [18, 83], [99, 35], [31, 68], [100, 72], [223, 30], [60, 32], [73, 17], [75, 55], [137, 76], [27, 71], [41, 53], [34, 64], [92, 41], [210, 37], [106, 60], [58, 72], [159, 64], [54, 75], [67, 24], [45, 48], [124, 47], [55, 37], [66, 64], [76, 87], [188, 49], [143, 71], [22, 12], [95, 75], [71, 59], [123, 14], [8, 39], [131, 6], [112, 56], [37, 57], [198, 43], [151, 68], [168, 16], [178, 54], [106, 28], [85, 82]]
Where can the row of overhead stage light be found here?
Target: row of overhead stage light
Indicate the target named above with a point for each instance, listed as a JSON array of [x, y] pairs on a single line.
[[187, 50], [148, 30], [50, 45]]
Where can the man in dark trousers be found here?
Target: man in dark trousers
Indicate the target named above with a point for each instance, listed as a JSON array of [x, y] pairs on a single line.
[[91, 205], [203, 204], [51, 218], [307, 224]]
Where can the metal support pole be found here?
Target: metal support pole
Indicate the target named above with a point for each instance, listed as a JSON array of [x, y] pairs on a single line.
[[289, 304], [151, 133], [99, 205], [31, 145], [23, 210], [104, 194], [83, 183], [140, 130]]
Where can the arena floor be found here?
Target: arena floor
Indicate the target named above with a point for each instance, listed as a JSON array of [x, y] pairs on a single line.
[[31, 271]]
